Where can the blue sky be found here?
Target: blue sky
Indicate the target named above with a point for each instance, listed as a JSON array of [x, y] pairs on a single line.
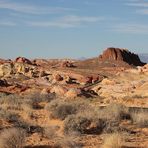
[[71, 28]]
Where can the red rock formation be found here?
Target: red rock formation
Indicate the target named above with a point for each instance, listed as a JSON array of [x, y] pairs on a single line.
[[67, 64], [2, 61], [22, 60], [122, 55], [58, 77]]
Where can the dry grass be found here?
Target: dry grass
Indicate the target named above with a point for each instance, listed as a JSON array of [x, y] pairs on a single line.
[[140, 118], [115, 140], [12, 138], [115, 112], [50, 132]]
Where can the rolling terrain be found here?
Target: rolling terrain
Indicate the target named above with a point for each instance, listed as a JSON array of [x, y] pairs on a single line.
[[92, 103]]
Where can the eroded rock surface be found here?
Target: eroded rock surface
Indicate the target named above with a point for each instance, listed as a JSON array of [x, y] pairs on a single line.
[[117, 54]]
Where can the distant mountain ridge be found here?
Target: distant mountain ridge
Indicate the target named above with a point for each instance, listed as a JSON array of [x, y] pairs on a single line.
[[144, 57]]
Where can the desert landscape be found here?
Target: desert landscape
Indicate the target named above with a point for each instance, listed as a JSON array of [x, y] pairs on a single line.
[[99, 102]]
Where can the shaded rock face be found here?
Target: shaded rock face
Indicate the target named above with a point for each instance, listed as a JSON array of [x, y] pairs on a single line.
[[22, 60], [3, 83], [117, 54]]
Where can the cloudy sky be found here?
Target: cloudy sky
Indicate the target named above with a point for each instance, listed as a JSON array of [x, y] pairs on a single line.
[[71, 28]]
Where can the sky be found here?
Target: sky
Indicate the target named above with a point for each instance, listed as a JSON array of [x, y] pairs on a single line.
[[71, 28]]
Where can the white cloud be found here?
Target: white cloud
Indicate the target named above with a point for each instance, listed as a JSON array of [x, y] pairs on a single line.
[[67, 21], [131, 28], [31, 9]]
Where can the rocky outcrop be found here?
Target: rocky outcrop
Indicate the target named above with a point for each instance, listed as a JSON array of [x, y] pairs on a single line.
[[73, 93], [67, 64], [121, 55], [22, 60], [59, 90], [6, 69]]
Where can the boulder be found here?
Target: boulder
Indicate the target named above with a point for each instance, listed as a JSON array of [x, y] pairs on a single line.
[[59, 90], [73, 93], [121, 55]]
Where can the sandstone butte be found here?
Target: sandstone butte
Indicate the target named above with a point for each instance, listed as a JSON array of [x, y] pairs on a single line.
[[124, 55]]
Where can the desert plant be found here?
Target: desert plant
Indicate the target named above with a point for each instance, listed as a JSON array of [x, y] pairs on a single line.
[[140, 118], [8, 116], [35, 98], [90, 124], [115, 112], [83, 125], [12, 138], [114, 140], [60, 109], [50, 132]]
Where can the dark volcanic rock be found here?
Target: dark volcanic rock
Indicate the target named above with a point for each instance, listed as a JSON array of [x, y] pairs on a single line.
[[121, 55]]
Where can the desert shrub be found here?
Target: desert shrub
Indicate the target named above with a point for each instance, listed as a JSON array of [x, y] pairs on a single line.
[[60, 109], [11, 102], [86, 124], [12, 138], [50, 132], [115, 112], [114, 140], [8, 116], [112, 126], [63, 110], [26, 102], [140, 118], [83, 125], [36, 98]]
